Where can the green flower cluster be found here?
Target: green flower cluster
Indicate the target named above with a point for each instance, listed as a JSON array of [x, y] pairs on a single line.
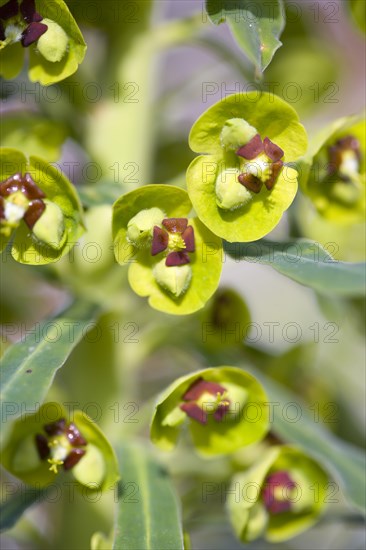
[[278, 497], [39, 448], [225, 407], [242, 186], [173, 258], [40, 212], [334, 171]]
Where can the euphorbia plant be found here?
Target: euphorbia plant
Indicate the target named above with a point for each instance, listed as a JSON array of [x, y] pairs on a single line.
[[131, 369]]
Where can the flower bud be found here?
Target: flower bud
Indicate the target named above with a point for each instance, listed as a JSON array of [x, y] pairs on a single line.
[[230, 194], [235, 133], [176, 279], [50, 228], [140, 227], [53, 43]]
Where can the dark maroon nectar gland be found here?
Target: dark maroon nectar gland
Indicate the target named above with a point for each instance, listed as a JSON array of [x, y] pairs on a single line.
[[21, 23], [20, 199], [345, 158], [63, 445], [263, 166], [277, 492], [204, 397]]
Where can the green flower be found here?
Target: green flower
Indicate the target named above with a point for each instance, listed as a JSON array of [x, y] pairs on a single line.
[[56, 46], [241, 188], [39, 209], [174, 260], [334, 171], [225, 408], [280, 496], [39, 448]]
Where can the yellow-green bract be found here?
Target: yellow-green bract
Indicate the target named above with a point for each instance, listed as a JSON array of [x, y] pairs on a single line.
[[244, 422], [272, 118], [97, 469], [205, 262], [336, 184], [250, 505], [26, 247]]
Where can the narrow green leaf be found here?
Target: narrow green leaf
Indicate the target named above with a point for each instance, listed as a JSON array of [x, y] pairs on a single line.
[[305, 262], [148, 510], [29, 366], [345, 462], [13, 508], [256, 26]]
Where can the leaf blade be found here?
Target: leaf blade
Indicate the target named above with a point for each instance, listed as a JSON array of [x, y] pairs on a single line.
[[255, 26], [29, 366], [149, 517], [307, 263]]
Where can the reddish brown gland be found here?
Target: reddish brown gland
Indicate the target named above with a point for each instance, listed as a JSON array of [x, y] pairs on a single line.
[[251, 182], [8, 10], [11, 185], [335, 152], [282, 480], [194, 411], [275, 172], [55, 428], [74, 436], [175, 225], [177, 258], [160, 240], [34, 212], [252, 149], [42, 446], [32, 33], [194, 392], [73, 458], [28, 10], [201, 386], [273, 151], [188, 238]]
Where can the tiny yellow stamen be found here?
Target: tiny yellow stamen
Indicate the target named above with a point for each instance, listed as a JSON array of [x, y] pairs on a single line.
[[54, 464]]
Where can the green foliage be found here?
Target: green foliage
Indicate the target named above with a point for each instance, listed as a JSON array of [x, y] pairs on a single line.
[[255, 26], [307, 263], [149, 514]]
